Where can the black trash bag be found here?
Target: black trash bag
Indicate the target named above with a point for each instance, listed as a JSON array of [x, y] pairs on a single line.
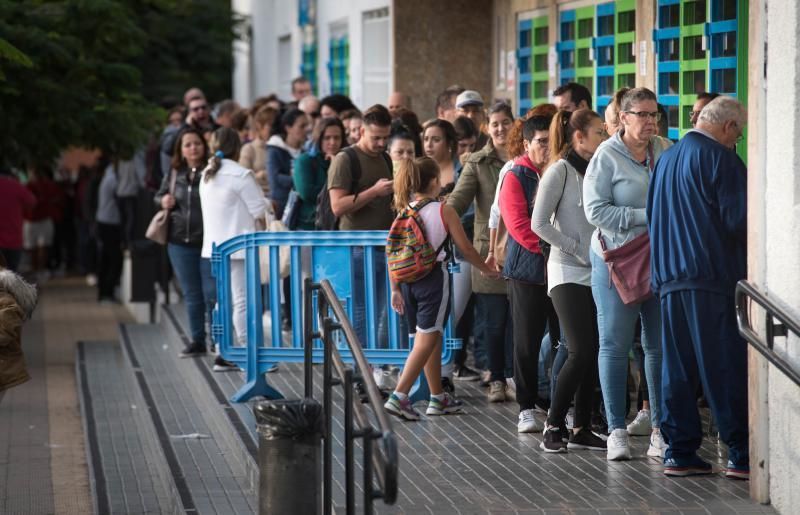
[[288, 419]]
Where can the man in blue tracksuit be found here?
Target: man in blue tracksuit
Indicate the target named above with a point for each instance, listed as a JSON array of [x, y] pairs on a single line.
[[697, 217]]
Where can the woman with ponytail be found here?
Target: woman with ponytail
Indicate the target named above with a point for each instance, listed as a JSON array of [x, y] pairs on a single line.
[[231, 202], [558, 219], [426, 302]]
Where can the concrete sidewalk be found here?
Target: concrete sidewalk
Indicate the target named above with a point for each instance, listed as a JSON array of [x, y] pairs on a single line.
[[42, 453]]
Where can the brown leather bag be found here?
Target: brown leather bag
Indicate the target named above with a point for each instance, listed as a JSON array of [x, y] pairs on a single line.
[[629, 268], [158, 230]]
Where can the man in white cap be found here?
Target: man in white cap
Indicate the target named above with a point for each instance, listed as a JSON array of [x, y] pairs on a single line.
[[469, 103]]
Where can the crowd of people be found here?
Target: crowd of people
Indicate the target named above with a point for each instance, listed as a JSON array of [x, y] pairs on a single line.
[[538, 208]]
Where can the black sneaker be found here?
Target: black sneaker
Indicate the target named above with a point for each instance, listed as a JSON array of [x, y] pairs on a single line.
[[193, 350], [565, 433], [222, 365], [585, 439], [448, 386], [551, 440], [465, 373]]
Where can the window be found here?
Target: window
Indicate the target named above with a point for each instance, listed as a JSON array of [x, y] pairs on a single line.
[[583, 58], [309, 66], [693, 48], [285, 69], [376, 57], [339, 64], [586, 82], [540, 89], [626, 54], [626, 80], [694, 11], [567, 59], [723, 10], [605, 85], [724, 81], [541, 36], [669, 16], [694, 82], [567, 31], [525, 38], [723, 45], [627, 21], [668, 83], [540, 63], [605, 56], [605, 25], [687, 117], [672, 116], [585, 28], [668, 50], [524, 64]]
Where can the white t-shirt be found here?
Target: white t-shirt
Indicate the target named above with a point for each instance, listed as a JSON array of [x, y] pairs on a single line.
[[231, 201], [435, 230]]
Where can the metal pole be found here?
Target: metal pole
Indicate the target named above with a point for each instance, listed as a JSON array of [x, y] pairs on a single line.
[[327, 494], [349, 465], [368, 493], [308, 327]]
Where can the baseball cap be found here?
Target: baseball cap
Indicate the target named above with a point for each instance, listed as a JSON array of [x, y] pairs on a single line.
[[469, 97]]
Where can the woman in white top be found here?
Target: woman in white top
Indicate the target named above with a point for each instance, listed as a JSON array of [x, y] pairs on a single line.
[[573, 139], [232, 201]]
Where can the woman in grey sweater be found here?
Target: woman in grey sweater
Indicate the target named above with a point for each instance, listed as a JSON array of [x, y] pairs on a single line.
[[614, 198], [558, 218]]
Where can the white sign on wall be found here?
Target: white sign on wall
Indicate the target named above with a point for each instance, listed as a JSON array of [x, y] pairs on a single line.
[[511, 69], [643, 58]]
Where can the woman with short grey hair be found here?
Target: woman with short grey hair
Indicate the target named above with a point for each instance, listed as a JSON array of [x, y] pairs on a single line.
[[614, 197]]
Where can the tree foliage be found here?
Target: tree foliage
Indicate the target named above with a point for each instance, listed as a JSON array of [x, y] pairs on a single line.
[[92, 72]]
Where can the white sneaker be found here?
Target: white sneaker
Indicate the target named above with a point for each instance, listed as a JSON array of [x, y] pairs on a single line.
[[618, 446], [657, 444], [528, 423], [641, 425]]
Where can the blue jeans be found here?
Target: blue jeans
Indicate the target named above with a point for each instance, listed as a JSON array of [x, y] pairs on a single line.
[[494, 333], [186, 264], [616, 324], [209, 290]]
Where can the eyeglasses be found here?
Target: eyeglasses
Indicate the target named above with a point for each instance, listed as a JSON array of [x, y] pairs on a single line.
[[199, 108], [693, 114], [655, 115], [542, 142]]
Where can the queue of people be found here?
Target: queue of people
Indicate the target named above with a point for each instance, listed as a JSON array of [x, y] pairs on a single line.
[[539, 209]]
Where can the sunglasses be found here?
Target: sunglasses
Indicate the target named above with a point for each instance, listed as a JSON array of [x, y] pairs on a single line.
[[655, 115]]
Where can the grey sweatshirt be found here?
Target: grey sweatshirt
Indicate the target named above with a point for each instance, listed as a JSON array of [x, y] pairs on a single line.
[[615, 191], [569, 233]]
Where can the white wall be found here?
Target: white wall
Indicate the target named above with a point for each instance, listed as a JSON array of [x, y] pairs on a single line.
[[782, 252], [273, 19]]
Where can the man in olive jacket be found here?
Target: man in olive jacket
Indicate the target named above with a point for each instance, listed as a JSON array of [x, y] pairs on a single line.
[[478, 182], [17, 300]]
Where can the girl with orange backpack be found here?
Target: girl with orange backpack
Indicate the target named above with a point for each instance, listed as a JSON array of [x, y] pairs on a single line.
[[417, 262]]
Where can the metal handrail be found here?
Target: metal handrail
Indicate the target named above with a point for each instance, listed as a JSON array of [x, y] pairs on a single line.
[[786, 322], [383, 465]]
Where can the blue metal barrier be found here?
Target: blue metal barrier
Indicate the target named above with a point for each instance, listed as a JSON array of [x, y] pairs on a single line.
[[350, 260]]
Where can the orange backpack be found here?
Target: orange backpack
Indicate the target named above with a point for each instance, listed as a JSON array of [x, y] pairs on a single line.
[[409, 254]]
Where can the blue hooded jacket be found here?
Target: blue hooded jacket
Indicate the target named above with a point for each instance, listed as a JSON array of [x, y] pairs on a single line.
[[697, 216]]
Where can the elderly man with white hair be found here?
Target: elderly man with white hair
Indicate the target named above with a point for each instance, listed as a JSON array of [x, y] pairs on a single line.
[[697, 216]]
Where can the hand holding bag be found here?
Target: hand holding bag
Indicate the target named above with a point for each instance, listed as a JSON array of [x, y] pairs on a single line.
[[158, 230]]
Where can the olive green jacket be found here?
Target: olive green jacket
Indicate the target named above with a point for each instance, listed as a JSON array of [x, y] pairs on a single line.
[[478, 182], [17, 300]]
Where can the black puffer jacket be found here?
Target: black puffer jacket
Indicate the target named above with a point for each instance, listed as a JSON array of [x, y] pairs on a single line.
[[186, 218]]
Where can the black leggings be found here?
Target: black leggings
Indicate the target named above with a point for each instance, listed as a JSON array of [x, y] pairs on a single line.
[[530, 310], [578, 317]]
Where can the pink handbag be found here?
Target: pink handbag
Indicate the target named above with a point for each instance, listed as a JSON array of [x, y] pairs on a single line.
[[629, 268]]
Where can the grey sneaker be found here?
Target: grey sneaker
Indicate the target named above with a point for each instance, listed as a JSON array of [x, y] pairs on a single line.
[[497, 391]]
